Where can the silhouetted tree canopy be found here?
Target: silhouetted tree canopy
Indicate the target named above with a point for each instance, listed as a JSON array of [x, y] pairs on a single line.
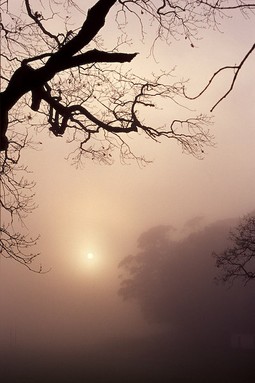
[[58, 76], [173, 283], [238, 260]]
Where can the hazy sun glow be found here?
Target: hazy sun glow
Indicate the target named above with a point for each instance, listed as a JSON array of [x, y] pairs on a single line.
[[90, 256]]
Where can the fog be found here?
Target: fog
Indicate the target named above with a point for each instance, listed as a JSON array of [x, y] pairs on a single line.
[[70, 324]]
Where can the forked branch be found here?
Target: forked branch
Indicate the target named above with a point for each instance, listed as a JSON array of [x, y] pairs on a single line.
[[235, 68]]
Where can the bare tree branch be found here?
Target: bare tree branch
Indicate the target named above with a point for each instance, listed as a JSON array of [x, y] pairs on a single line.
[[236, 69], [74, 86], [238, 261], [37, 19]]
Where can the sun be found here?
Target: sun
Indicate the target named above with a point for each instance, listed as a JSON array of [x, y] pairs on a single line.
[[90, 256]]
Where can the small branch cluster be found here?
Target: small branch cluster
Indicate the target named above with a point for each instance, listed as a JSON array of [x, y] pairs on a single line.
[[238, 261], [182, 18], [17, 247], [16, 202]]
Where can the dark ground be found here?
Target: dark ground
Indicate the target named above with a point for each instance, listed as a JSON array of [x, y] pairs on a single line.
[[153, 360]]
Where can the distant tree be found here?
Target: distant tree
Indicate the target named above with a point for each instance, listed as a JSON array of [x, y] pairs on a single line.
[[163, 277], [238, 260], [142, 275], [173, 283], [66, 81]]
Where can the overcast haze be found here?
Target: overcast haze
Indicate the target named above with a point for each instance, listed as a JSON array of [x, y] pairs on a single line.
[[104, 209]]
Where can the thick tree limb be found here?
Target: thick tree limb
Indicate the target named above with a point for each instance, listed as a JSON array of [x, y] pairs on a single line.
[[96, 56], [94, 22], [66, 112], [27, 79]]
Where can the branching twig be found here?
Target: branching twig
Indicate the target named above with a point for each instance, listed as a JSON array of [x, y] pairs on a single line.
[[236, 68]]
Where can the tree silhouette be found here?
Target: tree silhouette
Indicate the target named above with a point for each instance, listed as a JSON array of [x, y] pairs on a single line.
[[173, 283], [66, 81], [238, 260]]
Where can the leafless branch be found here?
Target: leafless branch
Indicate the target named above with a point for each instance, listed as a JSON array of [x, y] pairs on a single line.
[[238, 261], [77, 88], [235, 68]]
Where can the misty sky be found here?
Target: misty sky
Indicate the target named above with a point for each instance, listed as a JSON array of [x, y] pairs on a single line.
[[104, 209]]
